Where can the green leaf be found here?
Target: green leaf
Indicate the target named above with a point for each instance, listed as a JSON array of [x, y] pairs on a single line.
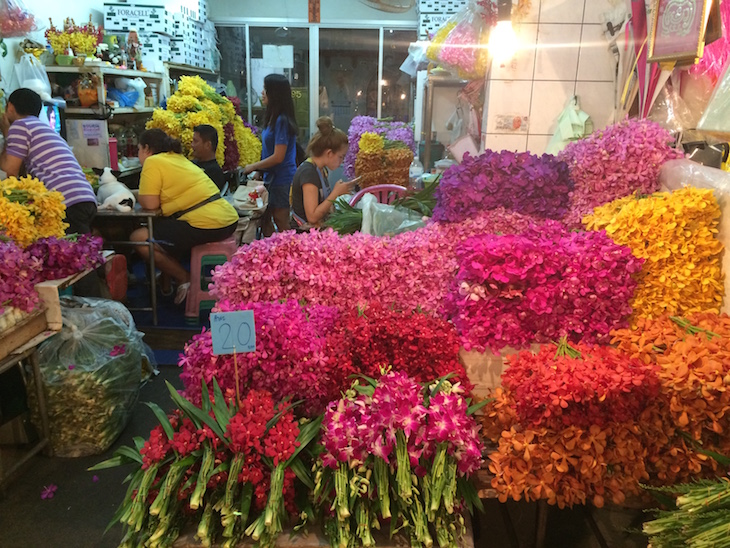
[[273, 420], [113, 462], [129, 453], [138, 442], [302, 473], [220, 407], [477, 406], [196, 414], [470, 494], [162, 417], [372, 382], [307, 433], [205, 396]]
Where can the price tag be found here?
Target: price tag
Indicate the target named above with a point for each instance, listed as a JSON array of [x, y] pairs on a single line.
[[233, 331]]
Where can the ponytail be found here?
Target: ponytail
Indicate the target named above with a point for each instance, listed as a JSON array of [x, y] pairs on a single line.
[[159, 141], [328, 137]]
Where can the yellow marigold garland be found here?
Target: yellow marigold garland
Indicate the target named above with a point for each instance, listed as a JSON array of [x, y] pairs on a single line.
[[29, 211], [676, 234]]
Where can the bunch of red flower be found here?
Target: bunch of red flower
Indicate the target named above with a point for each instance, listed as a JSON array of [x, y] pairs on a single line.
[[422, 345], [593, 386]]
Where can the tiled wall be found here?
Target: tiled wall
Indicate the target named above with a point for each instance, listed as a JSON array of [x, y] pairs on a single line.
[[564, 53]]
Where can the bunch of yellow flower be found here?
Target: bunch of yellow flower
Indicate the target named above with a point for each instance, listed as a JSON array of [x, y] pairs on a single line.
[[434, 48], [371, 143], [196, 103], [81, 39], [676, 235], [29, 211]]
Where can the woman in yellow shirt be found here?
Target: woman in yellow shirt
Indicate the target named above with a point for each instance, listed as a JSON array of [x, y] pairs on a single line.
[[194, 212]]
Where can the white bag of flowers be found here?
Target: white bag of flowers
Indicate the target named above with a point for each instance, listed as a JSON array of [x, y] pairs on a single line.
[[91, 372]]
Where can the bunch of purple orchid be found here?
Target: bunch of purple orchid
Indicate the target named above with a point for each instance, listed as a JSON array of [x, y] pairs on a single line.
[[418, 444], [538, 186], [67, 256], [19, 272], [546, 283]]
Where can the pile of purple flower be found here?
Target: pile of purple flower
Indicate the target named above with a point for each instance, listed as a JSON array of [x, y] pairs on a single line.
[[392, 131], [541, 285], [19, 272], [67, 256], [622, 159], [531, 185]]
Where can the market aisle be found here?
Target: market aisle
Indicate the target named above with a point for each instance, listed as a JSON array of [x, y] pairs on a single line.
[[81, 508]]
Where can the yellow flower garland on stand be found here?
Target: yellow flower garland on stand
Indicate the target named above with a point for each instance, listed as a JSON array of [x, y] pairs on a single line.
[[675, 232], [29, 211], [196, 103]]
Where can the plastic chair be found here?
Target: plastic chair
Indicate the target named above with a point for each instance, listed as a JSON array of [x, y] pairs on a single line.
[[385, 194], [203, 259]]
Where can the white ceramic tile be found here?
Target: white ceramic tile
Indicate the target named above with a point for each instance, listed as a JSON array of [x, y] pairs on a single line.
[[558, 47], [522, 65], [548, 100], [596, 99], [595, 61], [596, 8], [531, 15], [514, 143], [562, 11], [507, 98], [536, 144]]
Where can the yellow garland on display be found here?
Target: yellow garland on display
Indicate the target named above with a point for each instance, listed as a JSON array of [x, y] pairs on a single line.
[[676, 235], [29, 211], [195, 103], [371, 143]]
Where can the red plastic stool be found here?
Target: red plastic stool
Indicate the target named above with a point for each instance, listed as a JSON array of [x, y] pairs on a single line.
[[203, 259]]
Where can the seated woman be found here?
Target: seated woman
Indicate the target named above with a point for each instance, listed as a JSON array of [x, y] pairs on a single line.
[[312, 196], [194, 212]]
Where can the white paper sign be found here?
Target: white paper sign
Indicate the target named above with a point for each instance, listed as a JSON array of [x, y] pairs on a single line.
[[278, 56]]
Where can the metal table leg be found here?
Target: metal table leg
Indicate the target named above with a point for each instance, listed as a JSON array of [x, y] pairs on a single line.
[[541, 525], [153, 276]]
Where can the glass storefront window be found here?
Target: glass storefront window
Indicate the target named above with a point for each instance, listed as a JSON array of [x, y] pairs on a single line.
[[398, 90], [348, 74], [281, 50]]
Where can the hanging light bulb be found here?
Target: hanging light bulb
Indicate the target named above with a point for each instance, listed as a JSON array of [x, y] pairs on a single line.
[[503, 43]]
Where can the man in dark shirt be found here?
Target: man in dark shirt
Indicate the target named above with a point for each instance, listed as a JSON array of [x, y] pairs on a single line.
[[204, 144]]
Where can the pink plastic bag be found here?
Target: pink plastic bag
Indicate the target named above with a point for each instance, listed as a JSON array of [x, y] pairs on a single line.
[[15, 20]]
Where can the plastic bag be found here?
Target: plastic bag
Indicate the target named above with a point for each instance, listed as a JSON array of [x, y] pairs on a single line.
[[124, 98], [15, 20], [716, 118], [383, 219], [91, 372], [460, 45], [30, 73], [670, 111], [676, 174], [139, 86]]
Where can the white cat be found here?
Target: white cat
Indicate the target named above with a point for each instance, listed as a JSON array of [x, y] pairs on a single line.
[[112, 194]]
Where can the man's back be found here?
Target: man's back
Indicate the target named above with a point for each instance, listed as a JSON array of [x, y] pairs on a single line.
[[49, 158]]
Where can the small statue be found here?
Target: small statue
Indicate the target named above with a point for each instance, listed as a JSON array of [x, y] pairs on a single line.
[[134, 51]]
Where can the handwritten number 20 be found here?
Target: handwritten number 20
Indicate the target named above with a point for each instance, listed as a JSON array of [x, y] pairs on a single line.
[[243, 336]]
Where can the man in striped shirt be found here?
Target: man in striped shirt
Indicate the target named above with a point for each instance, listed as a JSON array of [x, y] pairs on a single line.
[[47, 157]]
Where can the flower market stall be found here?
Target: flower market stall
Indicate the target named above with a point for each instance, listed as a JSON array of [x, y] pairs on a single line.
[[602, 293]]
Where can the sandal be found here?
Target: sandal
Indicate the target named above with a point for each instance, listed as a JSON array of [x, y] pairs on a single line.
[[164, 293], [182, 292]]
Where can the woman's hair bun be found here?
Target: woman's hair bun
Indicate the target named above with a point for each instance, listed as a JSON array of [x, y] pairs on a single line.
[[325, 125]]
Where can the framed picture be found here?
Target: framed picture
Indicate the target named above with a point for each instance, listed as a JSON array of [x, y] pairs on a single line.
[[678, 30]]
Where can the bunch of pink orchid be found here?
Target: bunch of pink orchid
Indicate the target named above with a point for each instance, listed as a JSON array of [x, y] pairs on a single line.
[[407, 271], [622, 159], [418, 444], [19, 272], [538, 286]]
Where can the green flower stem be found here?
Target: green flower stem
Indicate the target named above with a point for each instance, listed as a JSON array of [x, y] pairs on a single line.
[[438, 479], [341, 490], [449, 492], [363, 524], [403, 471], [206, 520], [206, 467], [256, 529], [138, 513], [168, 491], [383, 484], [232, 483]]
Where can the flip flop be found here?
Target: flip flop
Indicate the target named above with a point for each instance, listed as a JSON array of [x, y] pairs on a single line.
[[182, 292]]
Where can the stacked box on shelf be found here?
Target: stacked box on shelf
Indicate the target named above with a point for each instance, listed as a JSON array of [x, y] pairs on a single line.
[[432, 14], [144, 18], [155, 50]]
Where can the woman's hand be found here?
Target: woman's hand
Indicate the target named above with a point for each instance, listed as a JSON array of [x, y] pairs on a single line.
[[342, 187], [248, 169]]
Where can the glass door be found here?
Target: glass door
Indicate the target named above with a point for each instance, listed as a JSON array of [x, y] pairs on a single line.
[[281, 50]]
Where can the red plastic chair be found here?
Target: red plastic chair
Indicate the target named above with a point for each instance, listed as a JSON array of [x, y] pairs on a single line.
[[385, 194]]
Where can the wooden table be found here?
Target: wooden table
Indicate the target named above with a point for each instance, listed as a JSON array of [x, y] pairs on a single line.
[[147, 216]]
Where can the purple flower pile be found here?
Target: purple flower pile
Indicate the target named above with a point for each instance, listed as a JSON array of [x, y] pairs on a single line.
[[62, 257], [408, 271], [622, 159], [19, 272], [291, 357], [546, 283], [531, 185], [392, 131]]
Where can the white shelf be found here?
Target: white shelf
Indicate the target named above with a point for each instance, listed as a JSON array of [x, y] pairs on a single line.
[[116, 111], [176, 67], [105, 70]]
